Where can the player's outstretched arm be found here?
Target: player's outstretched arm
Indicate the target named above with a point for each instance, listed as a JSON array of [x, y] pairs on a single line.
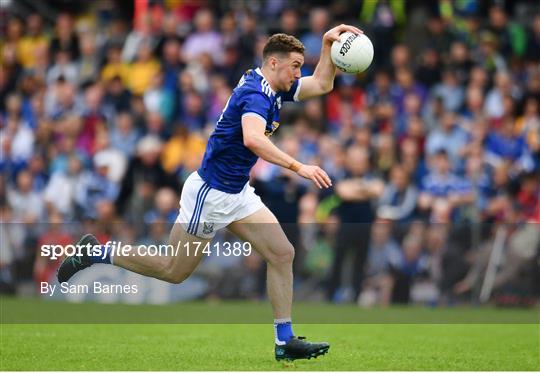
[[322, 80], [254, 139]]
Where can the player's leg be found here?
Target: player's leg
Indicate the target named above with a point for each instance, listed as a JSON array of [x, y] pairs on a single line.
[[176, 266], [262, 230], [173, 265]]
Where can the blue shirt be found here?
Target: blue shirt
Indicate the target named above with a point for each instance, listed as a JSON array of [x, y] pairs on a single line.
[[227, 161], [443, 185]]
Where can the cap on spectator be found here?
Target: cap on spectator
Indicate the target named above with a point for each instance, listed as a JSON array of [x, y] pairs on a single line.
[[149, 144], [488, 38]]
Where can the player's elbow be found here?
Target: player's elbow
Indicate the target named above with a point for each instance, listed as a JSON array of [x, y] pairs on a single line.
[[326, 83], [328, 87], [248, 142], [251, 142]]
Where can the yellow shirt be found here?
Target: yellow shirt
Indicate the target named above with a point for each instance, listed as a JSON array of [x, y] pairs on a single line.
[[141, 75], [26, 48], [111, 70], [180, 151], [531, 136]]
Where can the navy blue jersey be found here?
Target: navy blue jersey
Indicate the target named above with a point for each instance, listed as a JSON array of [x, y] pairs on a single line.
[[227, 162]]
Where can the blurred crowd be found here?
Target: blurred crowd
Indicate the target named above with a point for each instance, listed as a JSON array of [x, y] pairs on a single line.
[[434, 151]]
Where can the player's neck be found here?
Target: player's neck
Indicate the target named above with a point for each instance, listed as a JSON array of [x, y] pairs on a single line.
[[267, 74]]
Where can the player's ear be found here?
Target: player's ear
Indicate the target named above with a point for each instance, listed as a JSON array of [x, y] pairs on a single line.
[[273, 62]]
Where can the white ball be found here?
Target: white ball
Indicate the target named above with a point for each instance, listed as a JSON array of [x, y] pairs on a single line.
[[352, 53]]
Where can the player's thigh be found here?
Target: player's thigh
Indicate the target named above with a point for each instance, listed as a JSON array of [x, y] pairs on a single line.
[[262, 230], [187, 249]]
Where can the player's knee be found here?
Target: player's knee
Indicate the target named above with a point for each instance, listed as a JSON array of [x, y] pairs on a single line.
[[176, 277], [283, 256], [171, 273]]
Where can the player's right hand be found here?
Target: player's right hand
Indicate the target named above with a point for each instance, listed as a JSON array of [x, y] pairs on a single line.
[[315, 174]]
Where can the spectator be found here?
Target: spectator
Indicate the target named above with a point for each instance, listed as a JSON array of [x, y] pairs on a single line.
[[429, 71], [17, 139], [504, 144], [494, 107], [357, 191], [117, 95], [56, 234], [398, 200], [439, 37], [171, 65], [383, 17], [385, 154], [165, 207], [383, 251], [141, 34], [406, 268], [405, 84], [312, 40], [143, 176], [450, 91], [116, 161], [11, 241], [247, 39], [450, 137], [65, 40], [93, 188], [35, 38], [158, 99], [114, 66], [511, 37], [528, 126], [474, 104], [442, 191], [25, 203], [204, 39], [447, 265], [183, 152], [59, 194], [460, 61], [124, 136], [488, 56], [143, 70], [169, 35], [532, 52], [89, 61]]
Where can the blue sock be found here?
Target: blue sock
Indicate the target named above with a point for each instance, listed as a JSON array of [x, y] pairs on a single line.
[[283, 329], [101, 254]]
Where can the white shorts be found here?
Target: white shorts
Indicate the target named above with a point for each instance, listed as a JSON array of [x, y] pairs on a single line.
[[205, 210]]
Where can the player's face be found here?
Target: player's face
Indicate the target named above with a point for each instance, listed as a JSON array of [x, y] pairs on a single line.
[[288, 70]]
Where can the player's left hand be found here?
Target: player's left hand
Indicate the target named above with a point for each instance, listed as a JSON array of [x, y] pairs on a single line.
[[333, 34], [315, 174]]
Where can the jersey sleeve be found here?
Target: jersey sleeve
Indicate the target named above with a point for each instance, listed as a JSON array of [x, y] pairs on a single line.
[[255, 104], [292, 94]]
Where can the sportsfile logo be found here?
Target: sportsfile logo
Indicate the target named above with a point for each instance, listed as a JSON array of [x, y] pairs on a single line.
[[58, 251], [117, 248]]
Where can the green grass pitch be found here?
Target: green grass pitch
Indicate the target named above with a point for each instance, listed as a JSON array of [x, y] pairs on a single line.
[[468, 339]]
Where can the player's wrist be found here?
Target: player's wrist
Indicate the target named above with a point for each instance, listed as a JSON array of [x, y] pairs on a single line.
[[295, 166]]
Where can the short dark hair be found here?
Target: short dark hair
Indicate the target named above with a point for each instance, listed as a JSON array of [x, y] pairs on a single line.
[[282, 44]]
